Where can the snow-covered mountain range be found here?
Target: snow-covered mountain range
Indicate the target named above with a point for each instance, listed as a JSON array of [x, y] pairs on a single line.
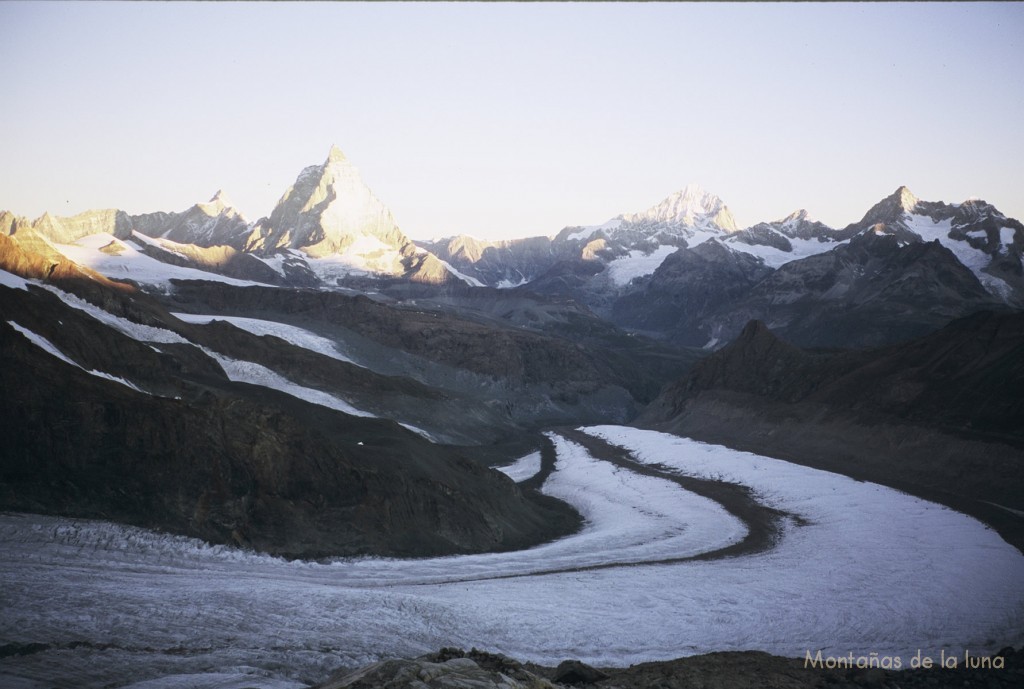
[[680, 270], [315, 384]]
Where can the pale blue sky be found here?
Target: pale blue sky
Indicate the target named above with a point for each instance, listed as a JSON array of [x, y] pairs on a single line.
[[512, 119]]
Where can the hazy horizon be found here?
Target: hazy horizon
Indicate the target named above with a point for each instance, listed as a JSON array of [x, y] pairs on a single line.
[[505, 120]]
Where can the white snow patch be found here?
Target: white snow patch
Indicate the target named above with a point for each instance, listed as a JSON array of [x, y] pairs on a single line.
[[774, 258], [52, 350], [508, 284], [420, 431], [289, 333], [255, 374], [367, 255], [471, 281], [1006, 237], [13, 281], [930, 230], [136, 331], [523, 468], [637, 264], [132, 264], [975, 259]]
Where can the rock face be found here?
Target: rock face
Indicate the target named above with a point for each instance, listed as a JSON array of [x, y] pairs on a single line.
[[330, 212], [215, 223], [870, 291], [67, 230], [687, 290]]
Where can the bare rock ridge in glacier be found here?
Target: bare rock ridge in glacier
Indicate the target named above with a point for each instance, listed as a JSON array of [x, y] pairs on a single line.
[[939, 416]]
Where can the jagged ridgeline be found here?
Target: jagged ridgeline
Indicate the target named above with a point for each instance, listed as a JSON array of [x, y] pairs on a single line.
[[316, 382]]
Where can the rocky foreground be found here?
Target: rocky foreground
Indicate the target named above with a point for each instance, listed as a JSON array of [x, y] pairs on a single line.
[[452, 668]]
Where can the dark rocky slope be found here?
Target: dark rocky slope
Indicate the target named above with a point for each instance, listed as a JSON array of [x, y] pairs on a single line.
[[277, 475], [941, 417], [565, 368], [191, 452]]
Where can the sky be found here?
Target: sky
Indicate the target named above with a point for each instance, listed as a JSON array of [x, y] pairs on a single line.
[[505, 120]]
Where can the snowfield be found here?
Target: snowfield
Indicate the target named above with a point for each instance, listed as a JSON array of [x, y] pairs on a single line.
[[871, 570], [124, 259], [289, 333]]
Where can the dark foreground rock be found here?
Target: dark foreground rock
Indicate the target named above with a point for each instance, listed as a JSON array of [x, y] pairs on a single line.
[[475, 669]]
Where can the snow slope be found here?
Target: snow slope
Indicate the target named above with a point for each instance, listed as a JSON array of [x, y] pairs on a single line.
[[775, 258], [873, 570], [975, 259], [51, 349], [289, 333], [125, 260], [523, 468], [638, 263]]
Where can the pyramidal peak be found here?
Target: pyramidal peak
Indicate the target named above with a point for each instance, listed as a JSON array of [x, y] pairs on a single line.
[[797, 217], [217, 204], [906, 198], [335, 155]]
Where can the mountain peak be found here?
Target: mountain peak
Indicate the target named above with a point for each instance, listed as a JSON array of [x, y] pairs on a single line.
[[216, 205], [797, 217], [905, 198], [891, 209], [220, 199], [691, 206], [335, 155]]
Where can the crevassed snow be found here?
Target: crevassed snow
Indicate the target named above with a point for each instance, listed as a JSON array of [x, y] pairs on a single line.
[[637, 264], [131, 263], [874, 570], [13, 281], [523, 468], [289, 333], [52, 350]]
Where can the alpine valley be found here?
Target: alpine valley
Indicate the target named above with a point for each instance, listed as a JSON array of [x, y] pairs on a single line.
[[262, 453]]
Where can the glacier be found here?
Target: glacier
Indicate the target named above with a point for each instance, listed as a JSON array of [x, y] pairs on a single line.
[[864, 569]]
